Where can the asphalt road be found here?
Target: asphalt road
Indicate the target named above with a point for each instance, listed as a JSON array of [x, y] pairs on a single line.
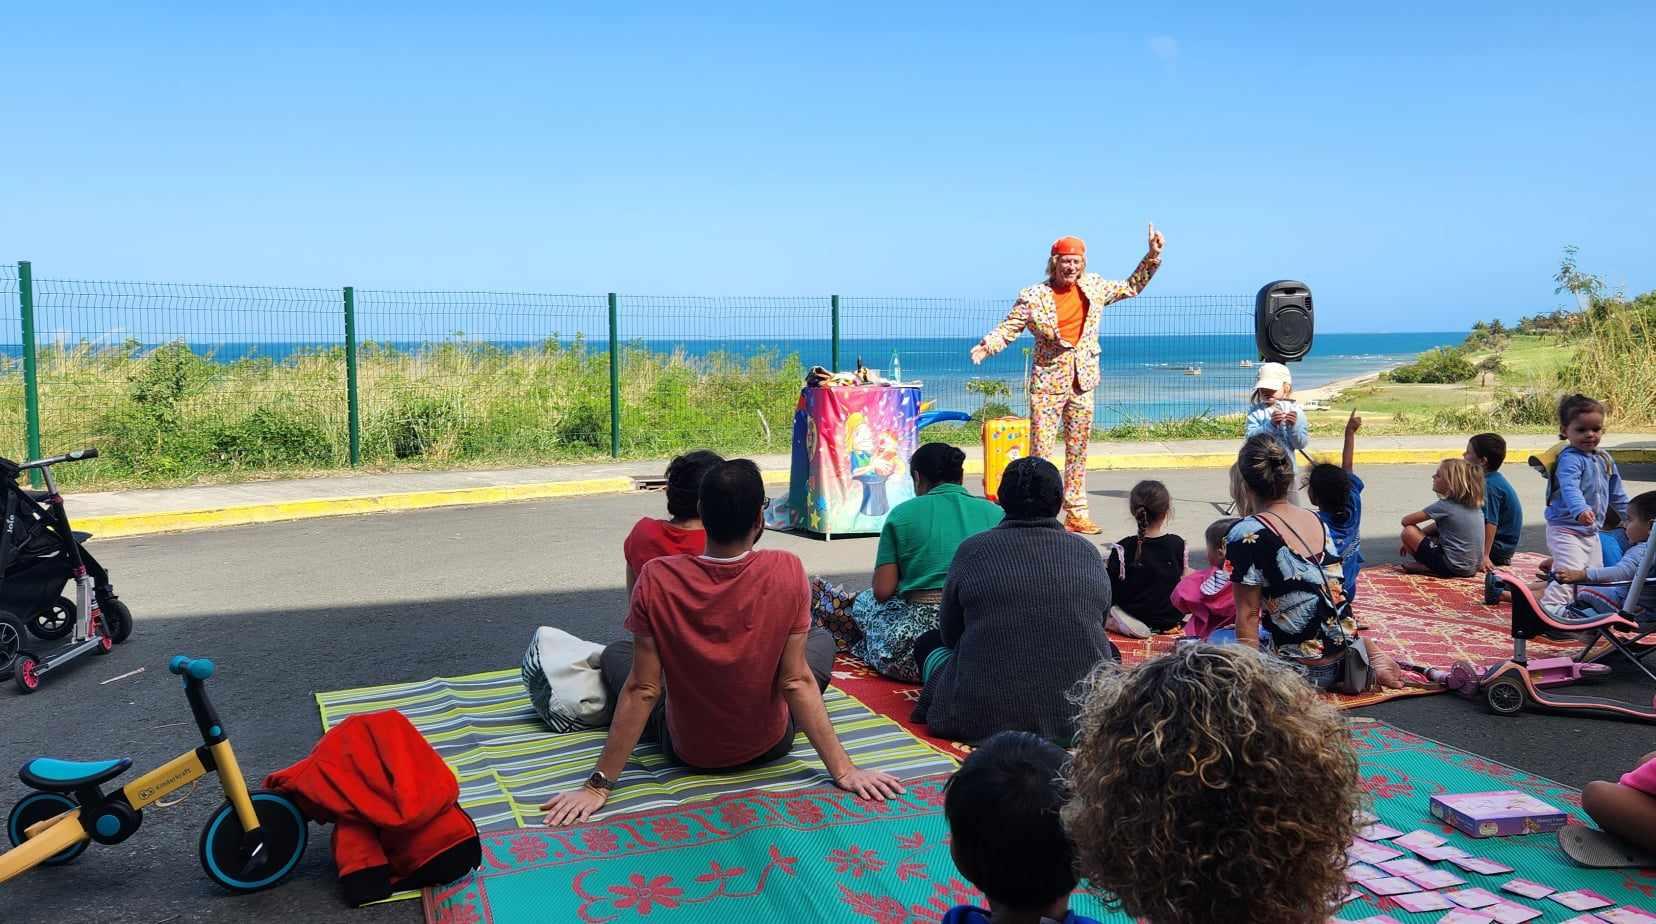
[[291, 609]]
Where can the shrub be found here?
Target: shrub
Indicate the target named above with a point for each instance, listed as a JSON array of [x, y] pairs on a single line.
[[1441, 366], [272, 438]]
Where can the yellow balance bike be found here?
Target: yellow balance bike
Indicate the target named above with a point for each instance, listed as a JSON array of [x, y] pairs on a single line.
[[252, 842]]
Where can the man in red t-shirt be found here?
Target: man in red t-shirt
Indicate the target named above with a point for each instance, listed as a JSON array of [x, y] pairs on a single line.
[[730, 632]]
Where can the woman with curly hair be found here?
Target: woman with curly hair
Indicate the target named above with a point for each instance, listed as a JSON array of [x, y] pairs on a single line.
[[1212, 785]]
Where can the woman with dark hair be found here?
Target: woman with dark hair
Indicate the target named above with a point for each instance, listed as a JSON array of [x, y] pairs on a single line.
[[1288, 578], [681, 533], [917, 545], [1021, 623]]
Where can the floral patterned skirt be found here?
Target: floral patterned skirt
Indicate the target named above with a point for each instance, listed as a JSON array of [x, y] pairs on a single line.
[[881, 635]]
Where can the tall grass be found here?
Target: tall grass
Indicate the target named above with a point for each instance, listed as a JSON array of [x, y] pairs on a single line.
[[170, 415], [1615, 359]]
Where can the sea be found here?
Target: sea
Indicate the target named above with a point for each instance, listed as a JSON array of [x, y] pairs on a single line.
[[1145, 377]]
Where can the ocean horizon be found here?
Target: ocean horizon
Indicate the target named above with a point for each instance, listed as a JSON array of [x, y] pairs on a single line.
[[1144, 377]]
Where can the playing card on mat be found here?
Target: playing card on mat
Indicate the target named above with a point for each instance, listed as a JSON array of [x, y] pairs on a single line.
[[1581, 900], [1511, 912], [1365, 852], [1472, 898], [1404, 867], [1627, 914], [1357, 872], [1480, 865], [1422, 901], [1391, 885], [1436, 879], [1463, 916], [1416, 839], [1378, 832], [1526, 888], [1445, 852]]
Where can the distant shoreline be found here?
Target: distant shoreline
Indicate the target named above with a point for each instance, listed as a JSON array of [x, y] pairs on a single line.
[[1330, 391]]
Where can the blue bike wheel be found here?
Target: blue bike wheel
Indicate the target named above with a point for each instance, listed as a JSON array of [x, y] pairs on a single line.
[[285, 836], [35, 808]]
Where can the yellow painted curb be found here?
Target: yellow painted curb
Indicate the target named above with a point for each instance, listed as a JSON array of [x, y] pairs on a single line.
[[139, 524]]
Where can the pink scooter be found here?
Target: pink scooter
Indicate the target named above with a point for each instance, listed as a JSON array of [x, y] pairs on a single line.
[[1518, 682], [1467, 679]]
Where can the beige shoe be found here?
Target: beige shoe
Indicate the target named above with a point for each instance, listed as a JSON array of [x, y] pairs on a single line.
[[1122, 624]]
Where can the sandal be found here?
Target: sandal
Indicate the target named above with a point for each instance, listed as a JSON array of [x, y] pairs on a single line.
[[1594, 848]]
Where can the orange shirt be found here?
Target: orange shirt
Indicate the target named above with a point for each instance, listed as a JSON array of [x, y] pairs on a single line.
[[1072, 313]]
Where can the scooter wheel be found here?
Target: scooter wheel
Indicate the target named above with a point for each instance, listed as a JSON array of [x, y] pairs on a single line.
[[12, 635], [285, 837], [35, 808], [117, 618], [54, 621], [1505, 697], [23, 671]]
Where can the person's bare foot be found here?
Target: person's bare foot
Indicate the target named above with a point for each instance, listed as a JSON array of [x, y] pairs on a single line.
[[1414, 567]]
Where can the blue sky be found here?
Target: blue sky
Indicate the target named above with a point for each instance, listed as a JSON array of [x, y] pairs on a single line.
[[1419, 167]]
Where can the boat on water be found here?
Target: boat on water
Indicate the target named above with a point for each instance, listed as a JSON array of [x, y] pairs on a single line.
[[1246, 364], [1193, 370]]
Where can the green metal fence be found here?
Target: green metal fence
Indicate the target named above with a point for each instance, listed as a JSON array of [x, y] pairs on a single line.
[[177, 382]]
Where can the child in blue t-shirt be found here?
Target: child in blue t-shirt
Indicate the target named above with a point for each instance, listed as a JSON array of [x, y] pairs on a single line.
[[1008, 792], [1503, 514], [1337, 493]]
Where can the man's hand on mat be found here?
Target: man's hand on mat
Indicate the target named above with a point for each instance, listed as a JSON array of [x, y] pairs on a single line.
[[870, 784], [571, 808]]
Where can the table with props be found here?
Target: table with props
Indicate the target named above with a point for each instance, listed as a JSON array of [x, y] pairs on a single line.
[[851, 446]]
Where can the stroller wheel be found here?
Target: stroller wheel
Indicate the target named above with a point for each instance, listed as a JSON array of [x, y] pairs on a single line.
[[117, 619], [54, 621], [12, 635]]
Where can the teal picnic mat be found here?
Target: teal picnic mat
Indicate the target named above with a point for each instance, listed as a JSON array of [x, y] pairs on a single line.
[[508, 762], [1402, 771], [822, 855]]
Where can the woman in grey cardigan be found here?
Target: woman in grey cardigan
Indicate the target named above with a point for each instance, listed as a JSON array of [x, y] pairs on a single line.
[[1022, 620]]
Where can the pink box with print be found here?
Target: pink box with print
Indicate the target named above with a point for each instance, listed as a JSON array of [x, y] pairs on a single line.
[[1497, 814]]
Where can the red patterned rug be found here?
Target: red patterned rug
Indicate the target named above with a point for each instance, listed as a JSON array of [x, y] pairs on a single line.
[[1417, 619]]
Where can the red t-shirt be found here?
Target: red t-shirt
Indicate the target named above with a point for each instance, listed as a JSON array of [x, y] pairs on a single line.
[[652, 538], [720, 628]]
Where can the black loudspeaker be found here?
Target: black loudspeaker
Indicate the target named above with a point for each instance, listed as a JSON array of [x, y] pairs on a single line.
[[1282, 321]]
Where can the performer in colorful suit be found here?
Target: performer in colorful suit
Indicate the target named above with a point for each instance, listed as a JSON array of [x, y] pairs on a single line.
[[1063, 314]]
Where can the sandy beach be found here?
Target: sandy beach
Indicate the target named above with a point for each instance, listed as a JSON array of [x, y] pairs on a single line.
[[1326, 393]]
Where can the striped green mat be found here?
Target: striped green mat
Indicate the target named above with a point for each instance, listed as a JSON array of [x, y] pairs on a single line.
[[508, 762]]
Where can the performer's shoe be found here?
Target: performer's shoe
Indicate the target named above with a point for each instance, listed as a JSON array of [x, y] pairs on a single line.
[[1082, 525]]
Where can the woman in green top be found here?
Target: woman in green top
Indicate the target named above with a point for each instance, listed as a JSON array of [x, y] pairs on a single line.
[[917, 545]]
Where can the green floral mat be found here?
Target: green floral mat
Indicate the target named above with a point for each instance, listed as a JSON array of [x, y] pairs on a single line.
[[822, 855]]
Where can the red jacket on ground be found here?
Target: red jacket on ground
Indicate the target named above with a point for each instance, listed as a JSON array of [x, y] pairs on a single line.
[[393, 802]]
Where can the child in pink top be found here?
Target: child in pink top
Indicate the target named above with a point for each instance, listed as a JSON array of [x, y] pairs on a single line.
[[1206, 596], [1626, 809]]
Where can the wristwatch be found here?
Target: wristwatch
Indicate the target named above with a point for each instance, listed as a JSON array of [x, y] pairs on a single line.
[[600, 782]]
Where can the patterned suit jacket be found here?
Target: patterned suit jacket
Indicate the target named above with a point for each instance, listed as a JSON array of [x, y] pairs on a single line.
[[1057, 362]]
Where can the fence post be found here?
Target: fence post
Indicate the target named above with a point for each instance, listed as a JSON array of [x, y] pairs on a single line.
[[615, 375], [31, 381], [353, 422], [834, 300]]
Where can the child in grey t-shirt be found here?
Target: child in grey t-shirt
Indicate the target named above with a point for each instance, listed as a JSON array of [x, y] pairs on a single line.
[[1446, 539]]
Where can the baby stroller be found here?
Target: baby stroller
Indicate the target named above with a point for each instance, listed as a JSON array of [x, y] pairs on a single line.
[[36, 564]]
